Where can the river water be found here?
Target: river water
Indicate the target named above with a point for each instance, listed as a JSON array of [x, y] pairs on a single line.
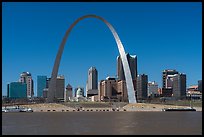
[[102, 123]]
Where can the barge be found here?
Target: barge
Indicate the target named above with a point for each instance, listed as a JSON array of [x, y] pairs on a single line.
[[179, 109]]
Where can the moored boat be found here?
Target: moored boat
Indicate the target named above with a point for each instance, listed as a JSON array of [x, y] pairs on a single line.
[[179, 109], [16, 109]]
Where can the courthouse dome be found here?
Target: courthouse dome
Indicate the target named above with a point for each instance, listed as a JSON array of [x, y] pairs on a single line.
[[79, 92]]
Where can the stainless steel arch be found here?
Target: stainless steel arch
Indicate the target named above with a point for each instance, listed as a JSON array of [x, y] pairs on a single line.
[[129, 83]]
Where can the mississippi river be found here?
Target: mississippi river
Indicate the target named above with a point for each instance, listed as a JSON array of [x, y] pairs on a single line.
[[102, 123]]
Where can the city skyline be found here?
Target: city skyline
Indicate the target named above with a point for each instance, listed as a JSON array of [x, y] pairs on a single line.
[[31, 29]]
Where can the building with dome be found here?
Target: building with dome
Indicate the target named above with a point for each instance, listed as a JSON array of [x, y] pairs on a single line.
[[78, 95], [79, 91]]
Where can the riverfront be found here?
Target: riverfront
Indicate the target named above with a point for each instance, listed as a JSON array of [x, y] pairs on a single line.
[[105, 106], [103, 118]]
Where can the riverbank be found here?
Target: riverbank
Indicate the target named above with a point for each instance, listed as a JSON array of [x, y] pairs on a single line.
[[153, 107], [54, 107]]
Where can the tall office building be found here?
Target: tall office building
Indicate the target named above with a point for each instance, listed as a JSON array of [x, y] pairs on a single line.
[[108, 89], [17, 90], [167, 77], [167, 82], [26, 77], [132, 61], [41, 85], [142, 82], [200, 85], [60, 86], [7, 90], [45, 90], [112, 89], [179, 86], [92, 83], [47, 82]]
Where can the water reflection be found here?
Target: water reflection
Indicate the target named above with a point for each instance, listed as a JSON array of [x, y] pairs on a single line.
[[102, 123]]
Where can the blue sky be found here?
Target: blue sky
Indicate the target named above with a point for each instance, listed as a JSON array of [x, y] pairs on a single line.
[[163, 36]]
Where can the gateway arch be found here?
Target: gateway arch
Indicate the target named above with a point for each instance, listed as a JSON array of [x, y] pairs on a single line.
[[128, 77]]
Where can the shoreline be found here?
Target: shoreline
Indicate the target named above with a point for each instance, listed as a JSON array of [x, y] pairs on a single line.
[[54, 107]]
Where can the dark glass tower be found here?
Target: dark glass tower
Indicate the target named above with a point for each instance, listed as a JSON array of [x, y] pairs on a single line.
[[41, 84], [132, 61], [142, 83]]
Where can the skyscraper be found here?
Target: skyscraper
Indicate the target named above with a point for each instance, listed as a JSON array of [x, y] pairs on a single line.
[[7, 90], [26, 77], [60, 84], [200, 85], [132, 61], [41, 84], [45, 90], [92, 83], [112, 89], [167, 82], [179, 86], [142, 82], [108, 89], [167, 77]]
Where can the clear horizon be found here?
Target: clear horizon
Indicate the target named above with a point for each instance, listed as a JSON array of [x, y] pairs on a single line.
[[163, 35]]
